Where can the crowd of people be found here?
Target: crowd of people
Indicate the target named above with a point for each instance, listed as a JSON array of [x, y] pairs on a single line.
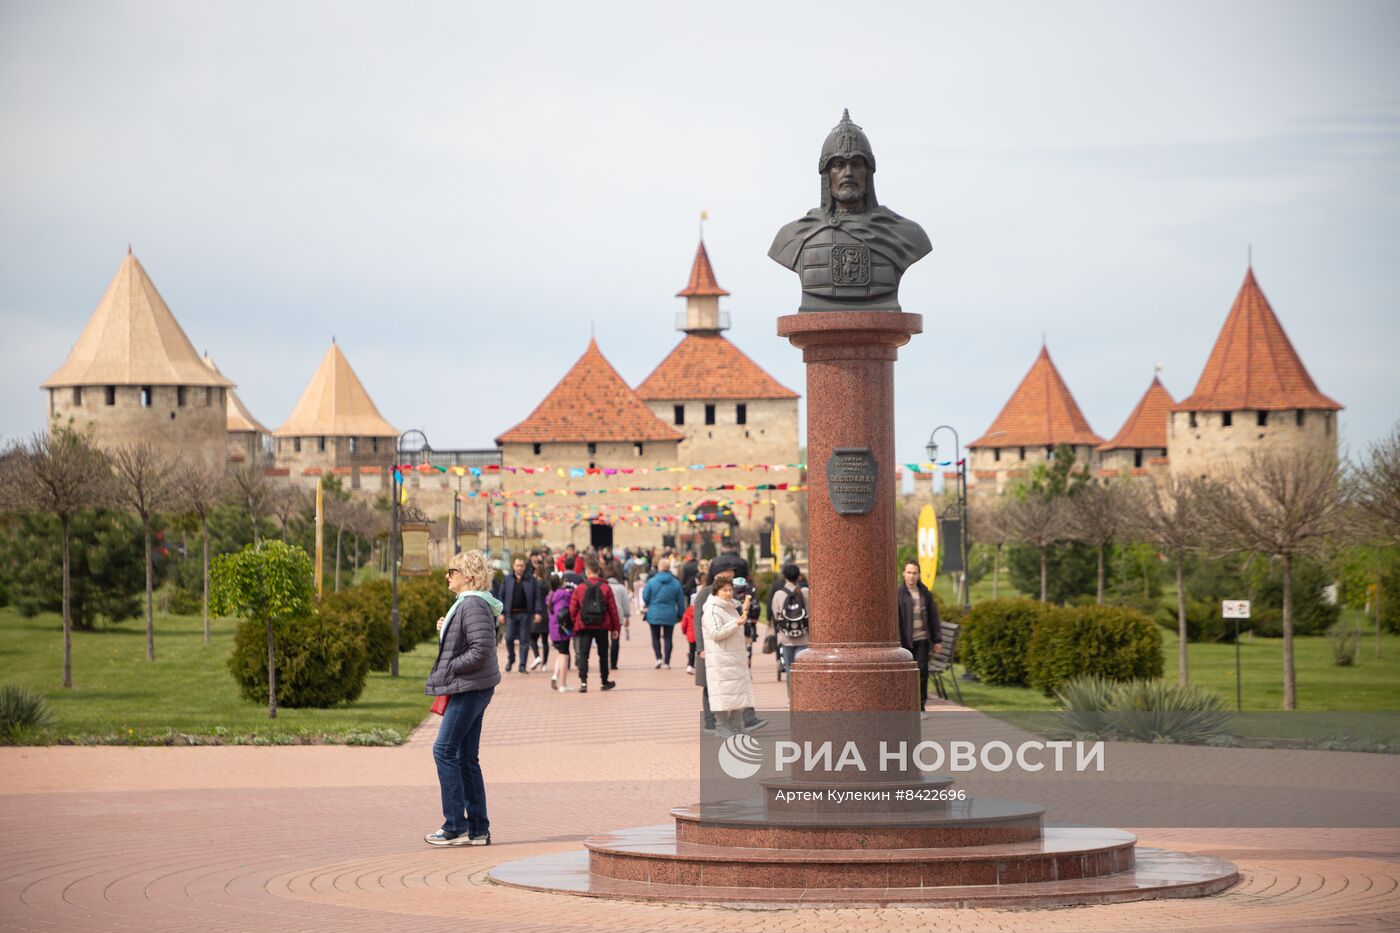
[[577, 602]]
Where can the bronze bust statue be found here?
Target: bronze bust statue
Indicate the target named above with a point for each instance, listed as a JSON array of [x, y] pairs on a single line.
[[849, 253]]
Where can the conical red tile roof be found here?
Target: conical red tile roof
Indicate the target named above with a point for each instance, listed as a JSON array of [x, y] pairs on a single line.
[[707, 366], [591, 403], [1041, 412], [702, 277], [1146, 426], [1253, 363]]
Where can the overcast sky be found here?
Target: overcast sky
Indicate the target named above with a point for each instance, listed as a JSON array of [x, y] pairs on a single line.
[[459, 192]]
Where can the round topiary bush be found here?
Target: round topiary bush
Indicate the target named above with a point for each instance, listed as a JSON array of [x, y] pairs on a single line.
[[995, 636], [322, 660], [1109, 641]]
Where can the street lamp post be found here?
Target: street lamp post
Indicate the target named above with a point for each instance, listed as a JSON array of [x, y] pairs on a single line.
[[395, 479], [961, 463]]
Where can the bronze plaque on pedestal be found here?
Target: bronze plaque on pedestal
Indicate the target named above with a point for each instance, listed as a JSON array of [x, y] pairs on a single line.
[[850, 480]]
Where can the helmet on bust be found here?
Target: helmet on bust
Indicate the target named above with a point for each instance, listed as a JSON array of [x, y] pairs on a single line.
[[846, 140]]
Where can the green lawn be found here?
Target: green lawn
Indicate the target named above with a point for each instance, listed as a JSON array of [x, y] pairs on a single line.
[[118, 696]]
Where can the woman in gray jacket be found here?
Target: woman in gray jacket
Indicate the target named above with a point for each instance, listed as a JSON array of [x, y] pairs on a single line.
[[466, 672]]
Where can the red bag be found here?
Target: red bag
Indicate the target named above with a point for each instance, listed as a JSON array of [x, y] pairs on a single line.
[[439, 705]]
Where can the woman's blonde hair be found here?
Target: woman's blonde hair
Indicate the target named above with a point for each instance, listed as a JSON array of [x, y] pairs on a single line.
[[474, 567]]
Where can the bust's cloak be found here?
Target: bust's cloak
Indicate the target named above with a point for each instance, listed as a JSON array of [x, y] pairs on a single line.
[[901, 241]]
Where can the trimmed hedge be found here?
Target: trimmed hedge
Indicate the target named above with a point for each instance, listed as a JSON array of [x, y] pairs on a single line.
[[995, 638], [1108, 641], [322, 660], [365, 605]]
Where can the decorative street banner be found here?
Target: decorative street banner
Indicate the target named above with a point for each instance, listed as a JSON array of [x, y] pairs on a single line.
[[928, 545], [414, 559], [950, 530]]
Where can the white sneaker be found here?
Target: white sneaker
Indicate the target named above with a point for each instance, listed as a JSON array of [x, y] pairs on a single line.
[[690, 669], [537, 664], [566, 689], [667, 666], [658, 665]]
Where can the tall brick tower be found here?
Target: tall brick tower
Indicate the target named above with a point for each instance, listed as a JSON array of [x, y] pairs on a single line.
[[1254, 394], [1040, 415], [729, 409], [133, 376]]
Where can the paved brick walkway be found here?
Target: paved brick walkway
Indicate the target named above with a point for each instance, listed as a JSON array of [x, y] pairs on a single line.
[[301, 839]]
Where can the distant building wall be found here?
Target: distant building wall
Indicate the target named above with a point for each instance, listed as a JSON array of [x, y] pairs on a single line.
[[189, 422], [1200, 443]]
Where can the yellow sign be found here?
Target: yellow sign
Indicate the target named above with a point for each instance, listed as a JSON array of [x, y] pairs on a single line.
[[928, 545]]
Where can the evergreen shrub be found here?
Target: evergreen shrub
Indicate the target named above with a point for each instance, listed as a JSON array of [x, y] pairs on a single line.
[[367, 606], [1111, 641], [322, 660], [995, 637]]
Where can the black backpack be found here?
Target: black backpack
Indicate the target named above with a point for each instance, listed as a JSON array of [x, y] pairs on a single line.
[[592, 610], [792, 614]]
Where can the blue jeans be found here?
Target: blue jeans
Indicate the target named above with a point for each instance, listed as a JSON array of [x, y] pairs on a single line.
[[459, 770]]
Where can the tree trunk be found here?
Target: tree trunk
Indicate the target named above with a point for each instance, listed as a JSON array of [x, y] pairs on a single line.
[[204, 530], [253, 516], [1043, 574], [996, 569], [67, 609], [1102, 547], [356, 564], [271, 673], [1180, 623], [1378, 607], [150, 593], [338, 532], [1290, 697]]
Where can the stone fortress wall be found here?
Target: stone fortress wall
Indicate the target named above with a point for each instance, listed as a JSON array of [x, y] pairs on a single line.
[[188, 422]]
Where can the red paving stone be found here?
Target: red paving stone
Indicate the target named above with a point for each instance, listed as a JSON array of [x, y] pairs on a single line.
[[303, 839]]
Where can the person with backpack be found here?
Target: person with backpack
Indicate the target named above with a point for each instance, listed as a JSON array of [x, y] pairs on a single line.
[[593, 611], [561, 630], [787, 610], [663, 603]]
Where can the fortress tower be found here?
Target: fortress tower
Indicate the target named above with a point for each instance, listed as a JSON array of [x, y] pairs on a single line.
[[1254, 394], [1141, 443], [133, 376], [1040, 415], [335, 426]]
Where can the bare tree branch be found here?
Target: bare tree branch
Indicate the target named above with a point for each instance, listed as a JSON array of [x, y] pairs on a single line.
[[1099, 514], [1170, 512], [1283, 506], [145, 484], [60, 473], [1035, 519], [248, 487], [198, 492]]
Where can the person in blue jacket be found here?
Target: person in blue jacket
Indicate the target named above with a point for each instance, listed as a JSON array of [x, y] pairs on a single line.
[[664, 603]]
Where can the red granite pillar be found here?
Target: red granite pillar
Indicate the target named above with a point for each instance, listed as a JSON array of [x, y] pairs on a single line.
[[854, 662]]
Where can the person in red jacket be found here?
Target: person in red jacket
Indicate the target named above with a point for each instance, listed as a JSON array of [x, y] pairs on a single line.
[[594, 611], [570, 561], [688, 627]]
